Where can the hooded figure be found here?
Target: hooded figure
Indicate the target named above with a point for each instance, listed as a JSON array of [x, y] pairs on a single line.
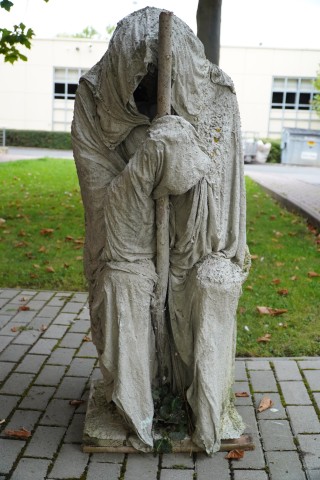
[[126, 160]]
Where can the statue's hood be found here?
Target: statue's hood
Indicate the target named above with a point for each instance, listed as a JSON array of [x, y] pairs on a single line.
[[132, 47]]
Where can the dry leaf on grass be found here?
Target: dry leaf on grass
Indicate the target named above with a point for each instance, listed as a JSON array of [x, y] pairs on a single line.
[[264, 404], [69, 238], [46, 231], [49, 269], [294, 278], [42, 249], [271, 311], [313, 274], [283, 291], [22, 433], [235, 455], [254, 257], [279, 264], [242, 394], [276, 281], [265, 339], [24, 308]]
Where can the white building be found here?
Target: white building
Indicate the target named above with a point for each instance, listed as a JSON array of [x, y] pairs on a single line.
[[274, 86]]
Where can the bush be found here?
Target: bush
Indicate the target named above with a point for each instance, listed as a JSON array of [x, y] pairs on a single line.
[[275, 152], [39, 139]]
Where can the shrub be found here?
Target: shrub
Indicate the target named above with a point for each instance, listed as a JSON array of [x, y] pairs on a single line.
[[275, 152], [39, 139]]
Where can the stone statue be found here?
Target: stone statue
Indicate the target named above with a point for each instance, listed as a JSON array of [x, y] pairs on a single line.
[[126, 159]]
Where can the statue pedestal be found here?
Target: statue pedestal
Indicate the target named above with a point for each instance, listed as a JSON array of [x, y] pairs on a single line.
[[106, 431]]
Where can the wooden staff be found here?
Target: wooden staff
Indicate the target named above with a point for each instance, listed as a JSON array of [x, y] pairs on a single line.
[[162, 204]]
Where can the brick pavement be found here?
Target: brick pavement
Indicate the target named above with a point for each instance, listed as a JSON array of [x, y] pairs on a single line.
[[42, 369]]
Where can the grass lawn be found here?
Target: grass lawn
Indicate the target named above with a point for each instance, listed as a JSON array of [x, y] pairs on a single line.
[[41, 240]]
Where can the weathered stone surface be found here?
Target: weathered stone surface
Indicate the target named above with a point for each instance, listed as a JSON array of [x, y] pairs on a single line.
[[285, 466], [44, 442], [70, 463], [31, 469], [10, 450]]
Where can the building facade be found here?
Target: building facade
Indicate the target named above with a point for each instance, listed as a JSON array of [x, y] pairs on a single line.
[[274, 86]]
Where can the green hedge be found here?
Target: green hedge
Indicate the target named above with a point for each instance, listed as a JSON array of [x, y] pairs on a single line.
[[38, 139], [275, 152]]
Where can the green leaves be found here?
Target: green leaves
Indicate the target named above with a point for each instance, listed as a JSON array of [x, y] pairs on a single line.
[[20, 35]]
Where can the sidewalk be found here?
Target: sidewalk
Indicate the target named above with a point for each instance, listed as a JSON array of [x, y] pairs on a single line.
[[296, 188], [41, 370]]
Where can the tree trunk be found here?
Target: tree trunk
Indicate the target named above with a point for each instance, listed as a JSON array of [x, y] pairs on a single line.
[[208, 23]]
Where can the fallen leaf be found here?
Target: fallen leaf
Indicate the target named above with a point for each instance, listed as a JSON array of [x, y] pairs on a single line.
[[79, 241], [68, 238], [276, 281], [283, 291], [79, 258], [35, 265], [22, 233], [279, 264], [43, 328], [271, 311], [50, 269], [66, 265], [87, 339], [266, 338], [254, 257], [34, 275], [272, 217], [42, 249], [14, 329], [242, 394], [249, 287], [235, 454], [46, 231], [265, 403], [77, 247], [24, 308], [22, 433], [76, 403], [23, 299], [20, 244], [313, 274], [2, 221], [294, 278]]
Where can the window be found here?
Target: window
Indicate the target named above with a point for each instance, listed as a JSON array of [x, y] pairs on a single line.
[[292, 93], [66, 82]]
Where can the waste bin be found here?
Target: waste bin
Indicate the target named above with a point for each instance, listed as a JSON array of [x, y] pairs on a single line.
[[300, 146]]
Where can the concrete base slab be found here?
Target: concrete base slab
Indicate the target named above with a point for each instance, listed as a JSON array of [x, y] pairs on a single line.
[[106, 431]]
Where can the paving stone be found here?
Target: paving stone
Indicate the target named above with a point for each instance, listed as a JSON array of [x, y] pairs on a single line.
[[25, 316], [10, 450], [27, 337], [57, 302], [4, 342], [49, 312], [17, 383], [303, 419], [170, 460], [36, 304], [217, 465], [7, 330], [80, 326], [295, 393], [71, 388], [5, 369], [37, 398], [75, 430], [314, 474], [150, 467], [240, 387], [4, 319], [80, 297], [22, 298], [258, 365], [263, 381], [250, 475], [8, 293], [57, 413], [31, 469], [43, 296], [13, 353], [70, 463], [72, 307], [107, 458], [96, 374], [72, 340], [317, 399], [103, 471], [64, 318], [240, 371], [84, 314], [81, 367], [50, 375], [9, 309], [310, 447], [269, 414], [176, 474], [61, 356], [87, 349], [313, 379], [44, 346], [285, 466], [276, 435], [55, 331], [23, 419], [309, 364], [85, 397], [7, 404], [31, 363], [255, 458], [44, 442], [287, 370], [38, 322]]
